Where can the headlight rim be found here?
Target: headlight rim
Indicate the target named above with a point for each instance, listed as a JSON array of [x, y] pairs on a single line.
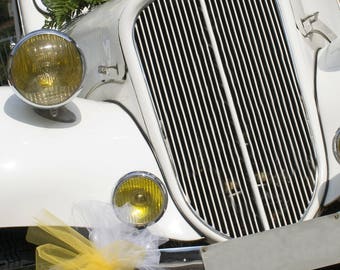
[[156, 180], [336, 145], [17, 47]]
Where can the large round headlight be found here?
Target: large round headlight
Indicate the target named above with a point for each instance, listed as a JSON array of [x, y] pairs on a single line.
[[139, 199], [46, 68]]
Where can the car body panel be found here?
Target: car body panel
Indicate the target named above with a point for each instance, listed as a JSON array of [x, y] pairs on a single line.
[[50, 165]]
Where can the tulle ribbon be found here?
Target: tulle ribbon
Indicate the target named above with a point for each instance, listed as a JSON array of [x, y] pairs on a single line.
[[114, 246]]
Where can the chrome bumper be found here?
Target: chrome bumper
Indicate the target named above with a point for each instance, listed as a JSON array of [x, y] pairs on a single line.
[[307, 245]]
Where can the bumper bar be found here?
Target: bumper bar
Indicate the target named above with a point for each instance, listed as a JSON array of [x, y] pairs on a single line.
[[307, 245]]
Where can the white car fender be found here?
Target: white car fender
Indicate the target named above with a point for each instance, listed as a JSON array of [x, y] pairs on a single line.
[[46, 164]]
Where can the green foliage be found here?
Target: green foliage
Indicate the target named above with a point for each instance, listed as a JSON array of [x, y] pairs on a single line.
[[61, 12]]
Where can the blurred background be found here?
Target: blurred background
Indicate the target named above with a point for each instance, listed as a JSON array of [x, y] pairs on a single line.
[[9, 33]]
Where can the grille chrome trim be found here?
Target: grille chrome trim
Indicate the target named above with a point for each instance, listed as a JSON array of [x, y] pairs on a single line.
[[265, 85], [235, 117], [142, 92]]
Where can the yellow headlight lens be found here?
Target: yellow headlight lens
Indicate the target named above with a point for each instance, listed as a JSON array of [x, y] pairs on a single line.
[[139, 199], [46, 68]]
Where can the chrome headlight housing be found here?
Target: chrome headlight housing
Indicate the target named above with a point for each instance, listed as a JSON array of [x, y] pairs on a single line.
[[46, 69], [336, 145], [140, 199]]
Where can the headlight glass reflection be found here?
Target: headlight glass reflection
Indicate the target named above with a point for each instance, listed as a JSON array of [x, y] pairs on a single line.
[[46, 68], [139, 199], [336, 145]]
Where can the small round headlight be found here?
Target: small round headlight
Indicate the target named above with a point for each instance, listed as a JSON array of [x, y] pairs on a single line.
[[139, 199], [46, 68]]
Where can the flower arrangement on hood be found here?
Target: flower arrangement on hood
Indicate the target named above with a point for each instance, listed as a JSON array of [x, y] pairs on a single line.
[[61, 12]]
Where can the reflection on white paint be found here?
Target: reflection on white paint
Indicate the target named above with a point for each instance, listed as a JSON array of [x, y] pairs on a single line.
[[107, 50], [10, 165]]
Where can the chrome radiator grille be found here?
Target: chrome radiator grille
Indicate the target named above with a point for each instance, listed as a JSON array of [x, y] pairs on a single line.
[[190, 101]]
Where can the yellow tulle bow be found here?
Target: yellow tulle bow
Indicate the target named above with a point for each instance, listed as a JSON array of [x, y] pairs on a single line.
[[63, 248]]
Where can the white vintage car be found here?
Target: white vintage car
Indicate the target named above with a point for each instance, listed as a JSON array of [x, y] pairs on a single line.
[[213, 119]]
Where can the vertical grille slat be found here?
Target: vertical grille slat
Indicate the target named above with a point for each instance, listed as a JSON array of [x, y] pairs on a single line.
[[204, 113], [235, 65], [200, 126], [210, 115], [290, 148], [180, 44], [171, 136], [263, 142], [283, 164], [190, 101], [267, 124]]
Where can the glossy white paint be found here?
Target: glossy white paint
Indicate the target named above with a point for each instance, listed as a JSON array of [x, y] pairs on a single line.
[[31, 18], [329, 12], [100, 46], [34, 178], [328, 91], [329, 57], [303, 54], [327, 88], [49, 165], [110, 85]]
